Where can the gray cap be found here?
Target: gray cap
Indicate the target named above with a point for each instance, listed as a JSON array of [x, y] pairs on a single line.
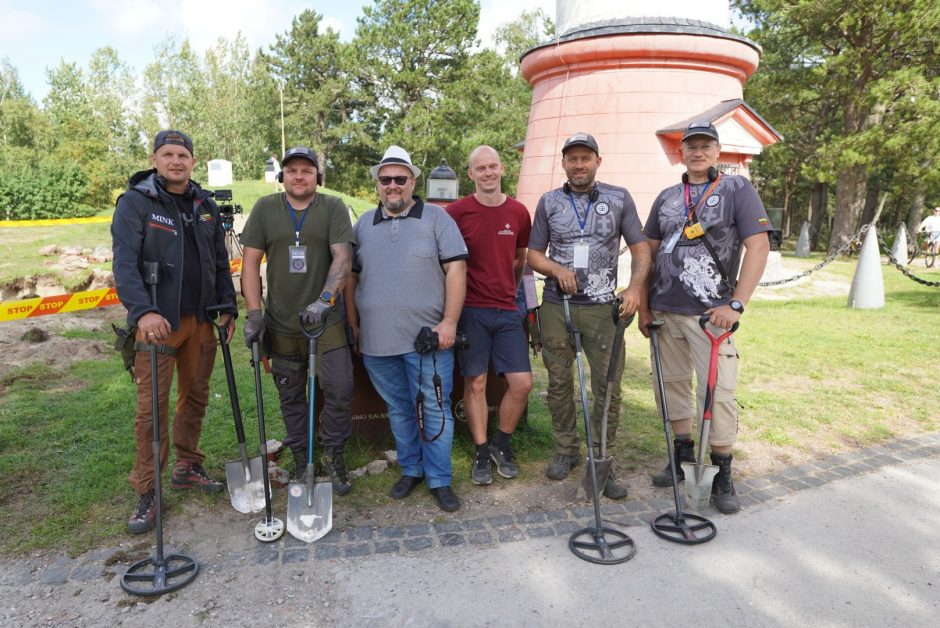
[[701, 128], [580, 139]]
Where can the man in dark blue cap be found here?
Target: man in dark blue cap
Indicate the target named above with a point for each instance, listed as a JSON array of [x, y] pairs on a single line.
[[167, 218], [697, 230]]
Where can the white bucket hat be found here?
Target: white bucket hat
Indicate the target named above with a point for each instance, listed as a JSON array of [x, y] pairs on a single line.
[[396, 155]]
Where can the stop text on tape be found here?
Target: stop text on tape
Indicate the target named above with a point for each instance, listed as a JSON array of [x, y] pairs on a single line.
[[59, 304]]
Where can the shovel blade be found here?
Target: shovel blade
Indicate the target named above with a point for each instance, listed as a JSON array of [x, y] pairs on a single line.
[[309, 517], [601, 472], [247, 494], [698, 483]]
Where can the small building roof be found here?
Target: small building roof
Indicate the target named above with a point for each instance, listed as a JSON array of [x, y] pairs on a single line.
[[740, 127]]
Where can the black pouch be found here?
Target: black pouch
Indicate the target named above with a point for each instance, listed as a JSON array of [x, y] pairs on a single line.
[[124, 344]]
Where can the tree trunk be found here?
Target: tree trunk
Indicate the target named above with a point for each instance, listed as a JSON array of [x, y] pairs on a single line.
[[850, 198], [915, 212], [819, 212], [871, 203]]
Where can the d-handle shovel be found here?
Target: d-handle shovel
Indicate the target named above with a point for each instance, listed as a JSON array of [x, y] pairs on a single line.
[[682, 527], [310, 503], [602, 465], [699, 476], [243, 476], [159, 573], [269, 529]]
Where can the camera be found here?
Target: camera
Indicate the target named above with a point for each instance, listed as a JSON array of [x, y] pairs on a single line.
[[427, 342], [227, 209]]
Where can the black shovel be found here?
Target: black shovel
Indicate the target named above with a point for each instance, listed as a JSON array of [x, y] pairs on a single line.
[[243, 476], [157, 574], [602, 465]]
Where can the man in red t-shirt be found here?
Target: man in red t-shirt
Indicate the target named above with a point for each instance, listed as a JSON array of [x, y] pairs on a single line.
[[496, 231]]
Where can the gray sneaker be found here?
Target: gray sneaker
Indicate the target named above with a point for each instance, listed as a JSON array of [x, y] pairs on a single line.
[[502, 458], [481, 474], [561, 466]]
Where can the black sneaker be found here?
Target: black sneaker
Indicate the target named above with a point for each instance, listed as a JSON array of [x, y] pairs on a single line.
[[143, 518], [192, 475], [481, 473], [724, 497], [446, 499], [404, 486], [502, 458], [561, 466], [335, 466]]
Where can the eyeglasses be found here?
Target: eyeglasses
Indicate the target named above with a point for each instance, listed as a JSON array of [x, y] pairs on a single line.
[[399, 180]]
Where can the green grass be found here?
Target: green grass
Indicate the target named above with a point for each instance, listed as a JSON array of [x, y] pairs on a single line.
[[19, 246], [816, 378]]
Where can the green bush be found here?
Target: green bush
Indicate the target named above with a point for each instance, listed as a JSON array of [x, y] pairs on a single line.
[[49, 189]]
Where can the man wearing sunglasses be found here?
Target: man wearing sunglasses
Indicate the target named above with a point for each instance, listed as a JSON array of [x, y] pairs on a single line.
[[307, 238], [410, 273]]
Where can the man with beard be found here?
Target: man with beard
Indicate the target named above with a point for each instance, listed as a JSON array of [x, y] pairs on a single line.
[[307, 238], [582, 222]]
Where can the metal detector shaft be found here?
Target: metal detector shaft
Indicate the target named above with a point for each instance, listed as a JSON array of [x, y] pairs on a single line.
[[256, 364], [661, 389], [152, 278]]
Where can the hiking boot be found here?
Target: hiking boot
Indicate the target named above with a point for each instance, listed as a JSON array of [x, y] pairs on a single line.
[[299, 474], [142, 519], [446, 499], [192, 475], [614, 489], [724, 497], [561, 466], [684, 450], [335, 466], [404, 486], [481, 474], [502, 458]]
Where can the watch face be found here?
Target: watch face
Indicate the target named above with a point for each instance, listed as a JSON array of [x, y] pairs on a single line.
[[736, 306]]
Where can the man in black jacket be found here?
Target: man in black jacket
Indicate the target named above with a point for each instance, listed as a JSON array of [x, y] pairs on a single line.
[[165, 217]]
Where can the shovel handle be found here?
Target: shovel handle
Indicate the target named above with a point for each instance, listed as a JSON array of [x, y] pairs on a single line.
[[712, 364], [229, 371]]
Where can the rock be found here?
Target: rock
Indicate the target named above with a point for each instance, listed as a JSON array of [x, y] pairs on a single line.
[[50, 250], [377, 467], [355, 474], [70, 262], [100, 255], [72, 250], [392, 456]]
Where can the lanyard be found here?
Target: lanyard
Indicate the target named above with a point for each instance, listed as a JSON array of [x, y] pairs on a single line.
[[581, 221], [297, 226], [690, 209]]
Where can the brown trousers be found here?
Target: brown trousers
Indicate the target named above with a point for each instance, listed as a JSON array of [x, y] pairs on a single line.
[[195, 344]]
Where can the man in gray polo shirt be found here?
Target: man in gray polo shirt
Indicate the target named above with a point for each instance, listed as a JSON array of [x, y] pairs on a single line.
[[410, 273]]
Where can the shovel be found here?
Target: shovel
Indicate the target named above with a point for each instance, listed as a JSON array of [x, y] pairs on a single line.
[[699, 476], [243, 476], [603, 464], [310, 503]]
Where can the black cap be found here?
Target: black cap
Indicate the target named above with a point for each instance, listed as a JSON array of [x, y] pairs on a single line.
[[580, 139], [173, 137], [701, 128], [301, 152]]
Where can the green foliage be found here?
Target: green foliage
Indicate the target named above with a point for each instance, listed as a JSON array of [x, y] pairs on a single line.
[[47, 189]]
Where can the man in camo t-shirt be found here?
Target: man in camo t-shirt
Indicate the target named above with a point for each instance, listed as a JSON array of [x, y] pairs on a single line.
[[722, 211], [582, 223]]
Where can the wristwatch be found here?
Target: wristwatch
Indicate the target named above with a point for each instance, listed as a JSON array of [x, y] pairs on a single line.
[[328, 297], [735, 305]]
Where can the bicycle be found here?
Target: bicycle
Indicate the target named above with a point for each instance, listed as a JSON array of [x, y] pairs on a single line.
[[923, 244]]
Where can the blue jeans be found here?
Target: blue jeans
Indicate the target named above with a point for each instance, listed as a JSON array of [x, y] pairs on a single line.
[[395, 378]]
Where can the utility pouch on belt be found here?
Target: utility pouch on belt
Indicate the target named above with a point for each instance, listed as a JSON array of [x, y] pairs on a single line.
[[124, 344]]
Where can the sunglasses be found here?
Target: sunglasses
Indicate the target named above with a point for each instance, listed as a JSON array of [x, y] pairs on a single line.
[[399, 180]]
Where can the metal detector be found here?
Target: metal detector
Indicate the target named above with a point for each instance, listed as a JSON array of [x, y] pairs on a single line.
[[268, 529], [594, 547], [310, 503], [699, 476], [243, 477], [681, 527], [603, 465], [157, 574]]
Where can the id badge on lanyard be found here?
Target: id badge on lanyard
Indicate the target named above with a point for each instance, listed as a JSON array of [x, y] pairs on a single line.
[[297, 254], [582, 251]]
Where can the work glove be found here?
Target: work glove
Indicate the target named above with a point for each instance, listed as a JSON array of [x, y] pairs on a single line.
[[315, 314], [254, 327]]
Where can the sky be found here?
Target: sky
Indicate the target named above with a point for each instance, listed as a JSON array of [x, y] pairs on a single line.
[[38, 35]]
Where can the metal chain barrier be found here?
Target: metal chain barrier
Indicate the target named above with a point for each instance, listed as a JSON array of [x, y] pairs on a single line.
[[841, 250], [903, 268]]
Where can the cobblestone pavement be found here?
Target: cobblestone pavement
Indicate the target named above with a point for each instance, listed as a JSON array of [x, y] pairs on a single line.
[[221, 549]]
